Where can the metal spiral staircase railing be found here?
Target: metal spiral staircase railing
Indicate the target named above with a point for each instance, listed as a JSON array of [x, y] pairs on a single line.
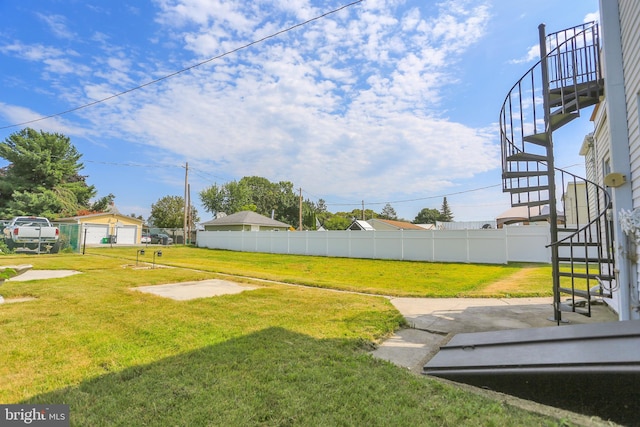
[[550, 95]]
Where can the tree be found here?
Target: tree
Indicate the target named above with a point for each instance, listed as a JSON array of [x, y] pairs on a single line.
[[102, 204], [253, 193], [42, 177], [168, 212], [445, 212], [337, 222], [427, 216], [321, 206], [388, 212]]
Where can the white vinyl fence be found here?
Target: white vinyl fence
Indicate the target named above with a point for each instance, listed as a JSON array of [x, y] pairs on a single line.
[[509, 244]]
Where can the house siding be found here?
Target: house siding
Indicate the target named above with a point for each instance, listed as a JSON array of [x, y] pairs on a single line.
[[600, 150], [617, 136], [630, 38], [589, 153], [629, 24]]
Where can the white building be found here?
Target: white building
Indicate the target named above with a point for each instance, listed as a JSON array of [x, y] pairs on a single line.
[[615, 154]]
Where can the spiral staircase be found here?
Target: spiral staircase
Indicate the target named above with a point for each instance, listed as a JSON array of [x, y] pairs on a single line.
[[551, 94]]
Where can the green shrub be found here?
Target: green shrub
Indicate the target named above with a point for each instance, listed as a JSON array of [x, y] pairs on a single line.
[[4, 249]]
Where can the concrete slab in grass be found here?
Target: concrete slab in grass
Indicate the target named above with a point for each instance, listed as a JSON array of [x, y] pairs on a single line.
[[192, 290]]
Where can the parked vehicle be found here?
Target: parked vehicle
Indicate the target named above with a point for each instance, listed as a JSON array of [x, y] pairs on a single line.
[[32, 233], [146, 238], [161, 238]]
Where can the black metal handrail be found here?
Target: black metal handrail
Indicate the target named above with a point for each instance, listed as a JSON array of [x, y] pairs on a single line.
[[573, 61]]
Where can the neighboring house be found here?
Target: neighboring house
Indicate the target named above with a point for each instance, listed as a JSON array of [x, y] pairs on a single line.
[[466, 225], [245, 221], [523, 215], [612, 154], [427, 226], [360, 225], [114, 227], [574, 200], [377, 224], [392, 225]]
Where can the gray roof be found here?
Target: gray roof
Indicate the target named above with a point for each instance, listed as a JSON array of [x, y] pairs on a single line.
[[246, 218]]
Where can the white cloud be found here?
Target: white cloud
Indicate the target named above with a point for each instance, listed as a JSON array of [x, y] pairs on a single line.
[[35, 52], [56, 61], [594, 16], [58, 25], [18, 114], [348, 105], [533, 54]]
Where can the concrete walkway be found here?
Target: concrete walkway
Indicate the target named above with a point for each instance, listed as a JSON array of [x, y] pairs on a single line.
[[434, 321]]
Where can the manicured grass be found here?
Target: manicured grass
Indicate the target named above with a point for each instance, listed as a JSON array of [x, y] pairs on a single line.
[[381, 277], [278, 355]]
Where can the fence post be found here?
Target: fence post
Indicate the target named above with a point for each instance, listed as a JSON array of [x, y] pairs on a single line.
[[468, 245]]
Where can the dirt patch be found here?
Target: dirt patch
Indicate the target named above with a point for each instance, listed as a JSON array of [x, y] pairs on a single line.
[[510, 284]]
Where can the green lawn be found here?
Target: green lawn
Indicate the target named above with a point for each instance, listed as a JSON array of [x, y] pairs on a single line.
[[279, 355], [381, 277]]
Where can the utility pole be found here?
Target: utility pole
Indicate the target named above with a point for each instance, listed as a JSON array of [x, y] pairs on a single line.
[[363, 210], [300, 212], [186, 203], [189, 219]]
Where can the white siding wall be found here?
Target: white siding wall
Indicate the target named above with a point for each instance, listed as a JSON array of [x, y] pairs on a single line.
[[629, 25], [591, 172]]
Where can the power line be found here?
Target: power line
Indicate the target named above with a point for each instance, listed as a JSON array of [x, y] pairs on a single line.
[[195, 171], [417, 199], [423, 198], [191, 67], [130, 164]]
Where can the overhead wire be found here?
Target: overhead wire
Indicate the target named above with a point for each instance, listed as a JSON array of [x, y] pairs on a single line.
[[205, 175], [183, 70], [416, 199]]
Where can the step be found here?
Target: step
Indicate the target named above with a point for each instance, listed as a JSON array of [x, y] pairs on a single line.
[[570, 103], [541, 139], [523, 174], [560, 119], [530, 203], [564, 229], [586, 276], [526, 157], [578, 244], [591, 88], [536, 218], [577, 292], [590, 260], [533, 189], [573, 309], [583, 293]]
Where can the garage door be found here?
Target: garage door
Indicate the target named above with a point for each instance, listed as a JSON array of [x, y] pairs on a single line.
[[94, 233], [127, 235]]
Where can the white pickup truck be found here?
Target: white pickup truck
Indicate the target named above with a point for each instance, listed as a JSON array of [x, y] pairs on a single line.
[[32, 233]]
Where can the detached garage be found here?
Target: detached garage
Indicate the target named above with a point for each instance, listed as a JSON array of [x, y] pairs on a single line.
[[106, 228]]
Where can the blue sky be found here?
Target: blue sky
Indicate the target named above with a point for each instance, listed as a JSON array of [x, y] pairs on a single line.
[[385, 101]]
